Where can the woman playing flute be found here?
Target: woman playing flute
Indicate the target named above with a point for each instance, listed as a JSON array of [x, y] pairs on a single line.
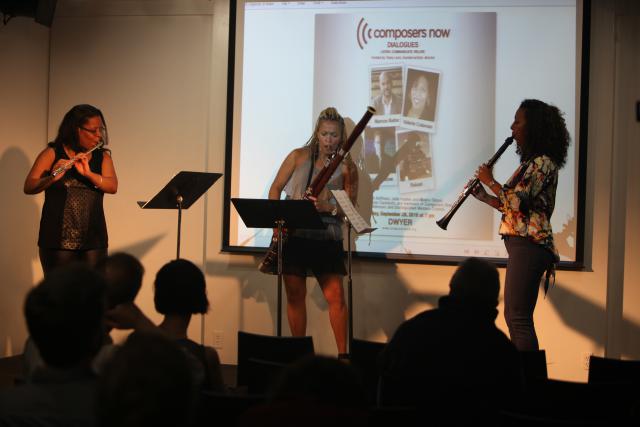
[[74, 177]]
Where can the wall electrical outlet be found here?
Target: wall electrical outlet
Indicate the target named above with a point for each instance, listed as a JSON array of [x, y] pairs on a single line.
[[218, 339], [585, 360]]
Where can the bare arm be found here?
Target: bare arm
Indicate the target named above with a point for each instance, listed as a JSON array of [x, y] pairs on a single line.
[[109, 177], [350, 174], [350, 186], [39, 177], [481, 194], [107, 182], [284, 173], [485, 175], [129, 316]]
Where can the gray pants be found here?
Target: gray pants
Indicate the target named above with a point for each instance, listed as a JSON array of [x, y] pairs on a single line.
[[526, 264]]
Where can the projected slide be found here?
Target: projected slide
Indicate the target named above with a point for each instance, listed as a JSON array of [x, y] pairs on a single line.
[[445, 83], [436, 68]]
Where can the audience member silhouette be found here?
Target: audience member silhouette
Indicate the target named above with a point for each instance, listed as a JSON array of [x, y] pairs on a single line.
[[123, 273], [147, 382], [64, 315], [314, 391], [454, 350], [123, 278], [180, 292]]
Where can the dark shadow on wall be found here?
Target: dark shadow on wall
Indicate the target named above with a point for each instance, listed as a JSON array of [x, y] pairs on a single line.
[[379, 304], [141, 248], [386, 304], [19, 226], [380, 299], [590, 320], [253, 284], [580, 314]]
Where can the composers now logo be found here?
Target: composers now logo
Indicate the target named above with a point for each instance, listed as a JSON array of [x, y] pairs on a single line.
[[364, 33]]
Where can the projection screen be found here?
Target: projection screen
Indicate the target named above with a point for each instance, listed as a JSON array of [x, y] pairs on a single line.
[[477, 60]]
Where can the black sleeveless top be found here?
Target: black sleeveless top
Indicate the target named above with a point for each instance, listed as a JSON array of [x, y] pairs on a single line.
[[72, 214]]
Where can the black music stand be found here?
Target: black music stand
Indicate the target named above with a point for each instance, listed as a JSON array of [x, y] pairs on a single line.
[[180, 193], [265, 213], [353, 220]]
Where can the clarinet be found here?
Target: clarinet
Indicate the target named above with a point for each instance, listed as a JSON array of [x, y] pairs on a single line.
[[270, 261], [468, 189]]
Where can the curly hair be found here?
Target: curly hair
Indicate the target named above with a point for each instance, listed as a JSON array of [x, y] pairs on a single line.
[[546, 132], [329, 114], [75, 118]]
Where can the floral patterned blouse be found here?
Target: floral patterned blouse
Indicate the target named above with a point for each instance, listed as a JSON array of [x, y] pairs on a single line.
[[527, 201]]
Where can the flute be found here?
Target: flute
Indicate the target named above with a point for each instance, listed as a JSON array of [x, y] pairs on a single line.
[[72, 160]]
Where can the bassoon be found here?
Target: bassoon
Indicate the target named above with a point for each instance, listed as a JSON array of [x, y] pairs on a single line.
[[471, 185], [269, 263]]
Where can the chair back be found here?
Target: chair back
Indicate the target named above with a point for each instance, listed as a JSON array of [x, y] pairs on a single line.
[[559, 401], [364, 358], [282, 350], [533, 365], [216, 408], [437, 399], [261, 374], [607, 370], [12, 370]]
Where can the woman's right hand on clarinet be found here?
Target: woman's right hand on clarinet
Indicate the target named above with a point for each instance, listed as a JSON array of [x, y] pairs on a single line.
[[480, 193]]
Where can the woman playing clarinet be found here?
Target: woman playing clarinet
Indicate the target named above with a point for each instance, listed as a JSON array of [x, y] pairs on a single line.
[[317, 251], [526, 202]]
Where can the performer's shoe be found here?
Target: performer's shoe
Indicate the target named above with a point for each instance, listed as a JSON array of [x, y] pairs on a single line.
[[344, 358]]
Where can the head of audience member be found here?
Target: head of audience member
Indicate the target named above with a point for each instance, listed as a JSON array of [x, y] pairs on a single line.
[[180, 289], [146, 383], [314, 391], [476, 281], [64, 315], [123, 275]]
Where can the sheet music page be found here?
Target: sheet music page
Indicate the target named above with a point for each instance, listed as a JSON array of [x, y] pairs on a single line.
[[354, 217]]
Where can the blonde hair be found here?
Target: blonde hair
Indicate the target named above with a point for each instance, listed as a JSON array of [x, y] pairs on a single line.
[[329, 114]]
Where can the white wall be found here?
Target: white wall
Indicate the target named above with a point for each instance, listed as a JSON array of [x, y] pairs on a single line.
[[158, 72], [24, 70]]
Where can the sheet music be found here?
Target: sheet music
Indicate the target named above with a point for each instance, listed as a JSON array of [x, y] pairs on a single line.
[[359, 224]]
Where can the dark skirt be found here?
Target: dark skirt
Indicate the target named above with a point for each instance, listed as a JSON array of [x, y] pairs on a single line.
[[302, 256]]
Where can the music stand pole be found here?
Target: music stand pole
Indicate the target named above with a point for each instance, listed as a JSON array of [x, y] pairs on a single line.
[[354, 220], [280, 224], [275, 214], [349, 282], [179, 200], [182, 190]]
